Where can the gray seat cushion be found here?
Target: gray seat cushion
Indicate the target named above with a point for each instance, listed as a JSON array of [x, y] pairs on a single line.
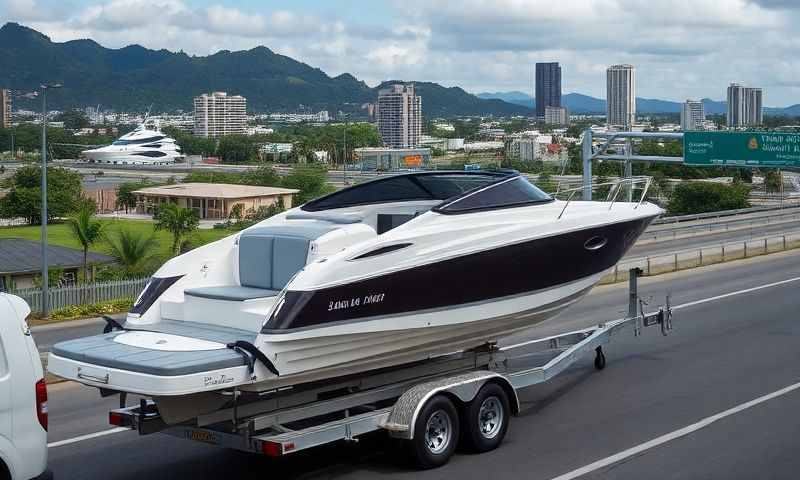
[[104, 351], [255, 261], [268, 258], [230, 292], [289, 255]]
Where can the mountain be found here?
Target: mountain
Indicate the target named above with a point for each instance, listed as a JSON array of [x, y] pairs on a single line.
[[579, 103], [713, 107], [583, 104], [515, 97], [134, 77]]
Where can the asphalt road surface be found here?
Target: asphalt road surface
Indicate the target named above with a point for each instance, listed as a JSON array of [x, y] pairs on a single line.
[[665, 407]]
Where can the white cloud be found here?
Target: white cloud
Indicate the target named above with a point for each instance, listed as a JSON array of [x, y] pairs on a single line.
[[681, 48]]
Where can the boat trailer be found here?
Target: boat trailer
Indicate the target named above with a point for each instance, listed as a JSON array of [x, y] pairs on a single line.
[[467, 396]]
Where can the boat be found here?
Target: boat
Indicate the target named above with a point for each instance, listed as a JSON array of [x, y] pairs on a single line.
[[146, 145], [384, 273]]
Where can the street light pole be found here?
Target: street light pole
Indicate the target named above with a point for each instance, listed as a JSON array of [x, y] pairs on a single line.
[[45, 272], [344, 153]]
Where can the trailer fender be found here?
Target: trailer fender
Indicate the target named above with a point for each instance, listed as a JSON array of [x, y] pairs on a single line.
[[462, 388]]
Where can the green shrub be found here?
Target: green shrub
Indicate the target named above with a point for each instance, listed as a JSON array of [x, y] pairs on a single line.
[[93, 309], [699, 197]]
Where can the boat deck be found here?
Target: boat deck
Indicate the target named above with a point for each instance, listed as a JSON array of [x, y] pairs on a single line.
[[175, 348]]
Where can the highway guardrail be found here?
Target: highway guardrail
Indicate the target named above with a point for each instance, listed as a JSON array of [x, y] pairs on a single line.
[[702, 256], [722, 213], [650, 236]]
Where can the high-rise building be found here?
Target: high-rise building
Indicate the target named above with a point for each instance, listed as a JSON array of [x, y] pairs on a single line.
[[217, 114], [621, 96], [5, 108], [399, 113], [556, 116], [693, 115], [548, 87], [745, 107]]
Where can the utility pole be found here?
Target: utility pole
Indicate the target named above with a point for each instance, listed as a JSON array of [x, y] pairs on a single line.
[[45, 272]]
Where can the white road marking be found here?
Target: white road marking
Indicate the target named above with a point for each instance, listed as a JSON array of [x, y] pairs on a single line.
[[693, 303], [88, 436], [738, 292], [605, 462]]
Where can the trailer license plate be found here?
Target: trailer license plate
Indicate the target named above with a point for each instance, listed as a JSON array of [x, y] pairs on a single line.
[[203, 436]]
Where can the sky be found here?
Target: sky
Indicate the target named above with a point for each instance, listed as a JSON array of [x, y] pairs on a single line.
[[681, 48]]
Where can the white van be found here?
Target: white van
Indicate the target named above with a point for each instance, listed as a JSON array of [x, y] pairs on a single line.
[[23, 396]]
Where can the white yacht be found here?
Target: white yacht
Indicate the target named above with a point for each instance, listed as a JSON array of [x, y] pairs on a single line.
[[146, 145]]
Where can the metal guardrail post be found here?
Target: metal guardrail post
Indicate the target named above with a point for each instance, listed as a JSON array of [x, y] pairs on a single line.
[[676, 263], [784, 242], [765, 245], [701, 257], [745, 249], [723, 252]]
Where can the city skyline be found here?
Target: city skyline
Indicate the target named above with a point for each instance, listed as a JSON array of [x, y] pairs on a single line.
[[481, 48]]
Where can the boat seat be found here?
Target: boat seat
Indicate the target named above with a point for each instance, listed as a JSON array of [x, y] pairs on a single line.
[[268, 258], [104, 351]]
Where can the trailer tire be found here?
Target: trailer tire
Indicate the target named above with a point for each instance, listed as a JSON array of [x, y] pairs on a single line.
[[486, 418], [436, 433]]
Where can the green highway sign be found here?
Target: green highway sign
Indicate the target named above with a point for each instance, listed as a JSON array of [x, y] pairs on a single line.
[[742, 149]]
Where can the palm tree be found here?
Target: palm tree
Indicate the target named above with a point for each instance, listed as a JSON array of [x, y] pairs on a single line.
[[132, 250], [87, 231], [178, 221]]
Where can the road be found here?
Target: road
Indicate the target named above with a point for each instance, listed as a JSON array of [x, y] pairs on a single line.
[[711, 239], [725, 351]]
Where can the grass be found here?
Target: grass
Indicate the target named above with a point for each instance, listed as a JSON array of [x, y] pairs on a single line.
[[60, 234]]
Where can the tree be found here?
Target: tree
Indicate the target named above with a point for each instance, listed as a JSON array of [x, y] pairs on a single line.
[[310, 179], [133, 251], [178, 221], [73, 119], [237, 149], [263, 176], [87, 230], [24, 196], [125, 195], [700, 197], [772, 181]]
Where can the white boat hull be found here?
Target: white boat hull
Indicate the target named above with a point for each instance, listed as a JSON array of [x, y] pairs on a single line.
[[369, 344]]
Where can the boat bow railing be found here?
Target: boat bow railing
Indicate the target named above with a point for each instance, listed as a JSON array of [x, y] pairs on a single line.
[[614, 189]]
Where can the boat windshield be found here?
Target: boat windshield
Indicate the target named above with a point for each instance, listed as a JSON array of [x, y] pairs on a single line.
[[513, 192], [403, 188]]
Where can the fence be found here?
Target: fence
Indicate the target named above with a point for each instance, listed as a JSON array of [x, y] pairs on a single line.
[[698, 257], [722, 213], [82, 294], [653, 235]]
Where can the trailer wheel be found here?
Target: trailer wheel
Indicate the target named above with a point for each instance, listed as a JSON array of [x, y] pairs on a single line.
[[599, 359], [435, 433], [486, 418]]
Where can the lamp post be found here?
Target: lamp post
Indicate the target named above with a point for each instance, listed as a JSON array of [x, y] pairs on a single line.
[[344, 152], [45, 272]]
